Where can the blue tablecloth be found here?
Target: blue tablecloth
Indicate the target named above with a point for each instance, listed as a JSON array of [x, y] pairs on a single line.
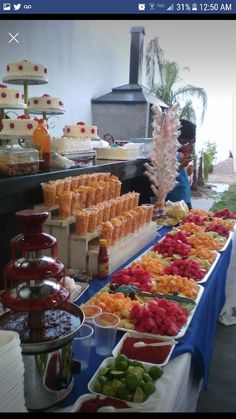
[[199, 337]]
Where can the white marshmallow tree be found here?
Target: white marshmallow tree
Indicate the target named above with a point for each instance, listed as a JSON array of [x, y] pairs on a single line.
[[162, 169]]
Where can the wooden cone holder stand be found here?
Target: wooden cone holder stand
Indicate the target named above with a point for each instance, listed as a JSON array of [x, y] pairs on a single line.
[[82, 252]]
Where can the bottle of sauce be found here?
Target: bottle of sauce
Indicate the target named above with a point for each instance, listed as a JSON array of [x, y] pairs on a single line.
[[42, 141], [103, 260]]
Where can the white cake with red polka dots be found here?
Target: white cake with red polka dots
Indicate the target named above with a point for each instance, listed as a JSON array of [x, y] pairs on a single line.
[[45, 103], [10, 97], [21, 127], [26, 69], [81, 130]]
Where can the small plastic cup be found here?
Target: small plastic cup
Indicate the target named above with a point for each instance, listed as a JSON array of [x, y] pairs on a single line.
[[81, 222], [149, 212], [90, 311], [49, 193], [105, 326], [81, 345]]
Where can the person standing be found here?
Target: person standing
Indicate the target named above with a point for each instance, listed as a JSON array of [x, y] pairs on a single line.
[[187, 138]]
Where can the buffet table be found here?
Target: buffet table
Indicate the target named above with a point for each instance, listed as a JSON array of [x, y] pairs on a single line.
[[179, 388]]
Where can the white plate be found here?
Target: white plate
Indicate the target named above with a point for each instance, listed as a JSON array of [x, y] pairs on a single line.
[[12, 378], [183, 328], [109, 361], [21, 79], [118, 347], [80, 289], [11, 106], [10, 359], [14, 401], [48, 111], [9, 339]]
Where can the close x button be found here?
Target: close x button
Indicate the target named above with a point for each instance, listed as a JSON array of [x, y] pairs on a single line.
[[13, 38]]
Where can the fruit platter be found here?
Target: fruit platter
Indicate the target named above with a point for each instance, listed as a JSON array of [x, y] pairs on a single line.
[[210, 230], [148, 312], [174, 256], [163, 316], [125, 379]]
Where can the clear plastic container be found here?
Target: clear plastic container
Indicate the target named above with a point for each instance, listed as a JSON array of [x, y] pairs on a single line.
[[146, 145], [14, 162]]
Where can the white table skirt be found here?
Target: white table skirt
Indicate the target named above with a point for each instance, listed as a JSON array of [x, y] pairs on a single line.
[[178, 389]]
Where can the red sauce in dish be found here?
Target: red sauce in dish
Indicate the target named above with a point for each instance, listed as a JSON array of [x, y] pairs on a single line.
[[153, 354], [92, 405]]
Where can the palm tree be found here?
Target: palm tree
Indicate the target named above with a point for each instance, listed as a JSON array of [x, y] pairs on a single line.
[[194, 186], [200, 177], [162, 76]]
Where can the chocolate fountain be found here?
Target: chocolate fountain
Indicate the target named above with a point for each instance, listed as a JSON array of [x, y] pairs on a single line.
[[38, 308]]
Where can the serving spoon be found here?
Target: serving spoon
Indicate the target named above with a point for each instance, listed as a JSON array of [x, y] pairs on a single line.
[[142, 344], [132, 289]]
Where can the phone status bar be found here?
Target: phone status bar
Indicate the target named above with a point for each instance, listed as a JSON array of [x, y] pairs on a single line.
[[125, 7]]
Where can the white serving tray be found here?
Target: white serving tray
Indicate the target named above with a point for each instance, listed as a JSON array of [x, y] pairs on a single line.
[[118, 347], [88, 396], [183, 328], [227, 242], [77, 404], [80, 289], [108, 361], [205, 278], [234, 227]]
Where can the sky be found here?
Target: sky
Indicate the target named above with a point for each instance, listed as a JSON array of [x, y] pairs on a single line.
[[207, 47]]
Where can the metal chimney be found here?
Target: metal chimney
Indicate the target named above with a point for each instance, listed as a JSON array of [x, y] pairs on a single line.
[[125, 112], [136, 54]]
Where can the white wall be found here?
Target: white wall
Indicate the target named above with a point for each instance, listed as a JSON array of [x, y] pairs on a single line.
[[85, 59]]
